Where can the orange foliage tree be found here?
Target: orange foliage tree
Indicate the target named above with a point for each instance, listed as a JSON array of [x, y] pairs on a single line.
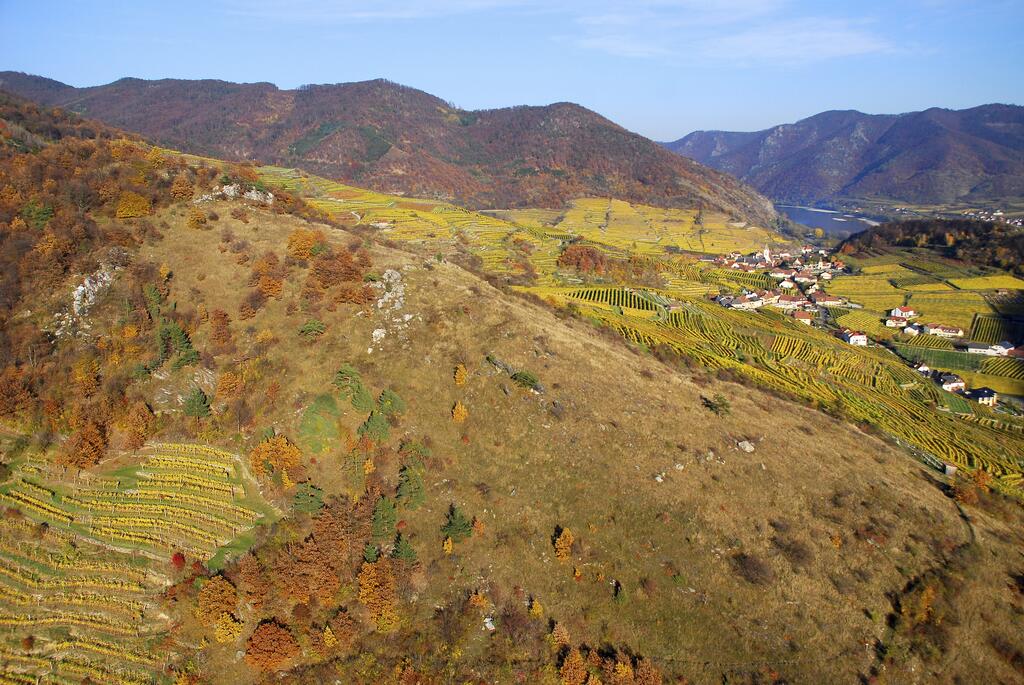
[[87, 444], [138, 423], [270, 646], [302, 241], [14, 394], [181, 189], [219, 321]]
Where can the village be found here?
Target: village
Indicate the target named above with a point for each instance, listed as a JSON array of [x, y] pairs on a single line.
[[800, 293]]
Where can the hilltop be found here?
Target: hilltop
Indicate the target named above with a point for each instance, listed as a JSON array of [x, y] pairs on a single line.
[[398, 139], [936, 156]]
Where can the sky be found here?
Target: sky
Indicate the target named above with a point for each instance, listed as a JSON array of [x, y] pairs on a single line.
[[661, 68]]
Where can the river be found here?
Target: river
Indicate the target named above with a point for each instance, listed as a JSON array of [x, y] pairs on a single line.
[[835, 224]]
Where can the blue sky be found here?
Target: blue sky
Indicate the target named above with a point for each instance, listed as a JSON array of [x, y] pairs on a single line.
[[659, 67]]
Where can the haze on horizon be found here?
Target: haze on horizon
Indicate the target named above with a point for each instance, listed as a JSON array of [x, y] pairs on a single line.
[[662, 68]]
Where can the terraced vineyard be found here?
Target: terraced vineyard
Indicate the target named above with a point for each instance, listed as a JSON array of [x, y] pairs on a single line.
[[993, 329], [82, 567]]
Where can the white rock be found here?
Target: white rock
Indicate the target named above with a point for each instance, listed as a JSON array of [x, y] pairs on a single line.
[[746, 446]]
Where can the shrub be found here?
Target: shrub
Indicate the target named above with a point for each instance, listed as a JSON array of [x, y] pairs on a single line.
[[526, 379], [312, 329], [563, 544], [753, 569], [718, 405]]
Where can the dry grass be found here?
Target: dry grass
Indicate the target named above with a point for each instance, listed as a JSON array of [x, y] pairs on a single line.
[[864, 518]]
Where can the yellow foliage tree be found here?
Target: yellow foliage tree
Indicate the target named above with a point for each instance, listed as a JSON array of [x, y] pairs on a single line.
[[536, 608], [563, 545], [216, 597], [377, 593], [461, 375], [196, 218], [301, 242], [277, 451], [574, 669], [229, 384], [459, 412], [227, 628], [448, 545], [131, 205]]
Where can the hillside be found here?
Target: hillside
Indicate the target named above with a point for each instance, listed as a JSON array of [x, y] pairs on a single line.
[[400, 140], [974, 242], [936, 156], [245, 438]]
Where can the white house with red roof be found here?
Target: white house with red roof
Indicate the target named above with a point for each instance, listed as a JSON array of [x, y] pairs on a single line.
[[904, 312]]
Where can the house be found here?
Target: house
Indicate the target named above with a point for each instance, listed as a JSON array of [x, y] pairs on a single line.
[[787, 284], [943, 331], [781, 273], [980, 348], [1003, 349], [895, 322], [951, 382], [923, 369], [805, 277], [858, 338], [986, 396], [825, 300], [825, 276], [803, 317], [904, 312], [912, 329], [791, 301]]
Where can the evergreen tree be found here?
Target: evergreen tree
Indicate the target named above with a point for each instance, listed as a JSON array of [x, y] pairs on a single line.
[[197, 404], [384, 517], [403, 550], [457, 527], [370, 553], [411, 493]]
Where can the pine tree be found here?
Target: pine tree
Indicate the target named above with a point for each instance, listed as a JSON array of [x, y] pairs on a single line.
[[197, 404], [384, 517], [411, 493], [370, 553], [457, 526], [403, 550]]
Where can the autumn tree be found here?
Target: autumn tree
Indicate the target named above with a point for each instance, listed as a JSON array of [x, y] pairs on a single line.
[[302, 243], [574, 669], [131, 205], [196, 218], [217, 596], [278, 452], [459, 412], [138, 423], [220, 332], [377, 593], [563, 544], [461, 375], [87, 444], [270, 646], [181, 189], [14, 394], [229, 384]]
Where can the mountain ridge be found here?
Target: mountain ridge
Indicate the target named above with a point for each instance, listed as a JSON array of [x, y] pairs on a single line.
[[933, 156], [395, 138]]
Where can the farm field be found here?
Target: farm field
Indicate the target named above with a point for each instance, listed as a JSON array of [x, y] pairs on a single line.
[[82, 568]]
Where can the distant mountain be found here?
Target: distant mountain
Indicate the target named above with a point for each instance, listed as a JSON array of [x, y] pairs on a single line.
[[930, 157], [398, 139]]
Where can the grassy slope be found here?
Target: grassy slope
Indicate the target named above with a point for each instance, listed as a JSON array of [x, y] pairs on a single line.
[[871, 517]]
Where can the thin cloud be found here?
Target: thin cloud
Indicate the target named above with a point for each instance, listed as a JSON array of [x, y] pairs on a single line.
[[796, 42]]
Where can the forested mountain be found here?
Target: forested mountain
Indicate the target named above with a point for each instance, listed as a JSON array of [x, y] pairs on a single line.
[[398, 139], [929, 157]]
